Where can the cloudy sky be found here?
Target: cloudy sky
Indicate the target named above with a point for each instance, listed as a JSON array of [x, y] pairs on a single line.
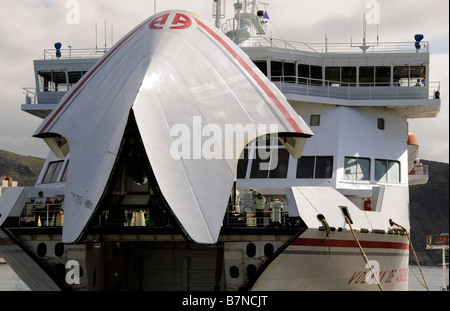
[[27, 27]]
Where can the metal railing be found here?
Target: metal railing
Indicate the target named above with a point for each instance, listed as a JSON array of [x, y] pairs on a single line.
[[245, 216], [51, 215], [51, 97], [419, 170], [336, 48], [70, 53], [353, 91]]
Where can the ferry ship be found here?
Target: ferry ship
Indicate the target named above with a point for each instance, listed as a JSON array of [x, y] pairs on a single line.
[[313, 196]]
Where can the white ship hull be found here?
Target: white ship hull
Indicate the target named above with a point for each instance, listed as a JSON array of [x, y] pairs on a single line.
[[315, 263]]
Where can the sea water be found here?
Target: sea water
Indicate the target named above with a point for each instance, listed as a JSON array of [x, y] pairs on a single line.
[[9, 281]]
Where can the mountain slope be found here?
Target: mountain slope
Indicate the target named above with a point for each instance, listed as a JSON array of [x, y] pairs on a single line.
[[24, 169]]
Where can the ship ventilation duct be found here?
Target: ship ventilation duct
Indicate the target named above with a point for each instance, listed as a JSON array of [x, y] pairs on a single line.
[[294, 145], [58, 144]]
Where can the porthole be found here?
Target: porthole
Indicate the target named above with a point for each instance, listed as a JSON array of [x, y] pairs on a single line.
[[268, 250], [59, 249], [251, 271], [42, 249], [234, 272], [60, 270], [251, 250]]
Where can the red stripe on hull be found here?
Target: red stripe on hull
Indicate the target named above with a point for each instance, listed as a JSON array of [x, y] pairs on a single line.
[[350, 243]]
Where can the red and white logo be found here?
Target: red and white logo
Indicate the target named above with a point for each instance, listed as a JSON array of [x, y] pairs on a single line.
[[177, 21]]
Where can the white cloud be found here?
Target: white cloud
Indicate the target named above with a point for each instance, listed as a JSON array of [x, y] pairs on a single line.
[[27, 27]]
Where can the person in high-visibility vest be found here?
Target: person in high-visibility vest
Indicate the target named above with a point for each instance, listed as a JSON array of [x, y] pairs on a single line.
[[39, 207], [260, 201]]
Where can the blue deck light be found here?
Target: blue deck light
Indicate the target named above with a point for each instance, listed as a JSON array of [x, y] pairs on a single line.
[[418, 38], [58, 46]]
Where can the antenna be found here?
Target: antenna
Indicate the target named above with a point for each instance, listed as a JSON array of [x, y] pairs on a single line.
[[95, 36], [218, 11], [364, 47], [105, 35]]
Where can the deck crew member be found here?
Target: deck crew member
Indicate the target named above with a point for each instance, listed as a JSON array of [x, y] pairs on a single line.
[[260, 201], [39, 207]]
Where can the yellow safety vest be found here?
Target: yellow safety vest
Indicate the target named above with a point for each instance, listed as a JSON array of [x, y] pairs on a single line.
[[260, 203], [39, 203]]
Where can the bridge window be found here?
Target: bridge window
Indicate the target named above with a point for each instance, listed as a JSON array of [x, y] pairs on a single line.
[[387, 171], [262, 65], [345, 76], [333, 75], [242, 164], [64, 175], [53, 170], [348, 76], [309, 74], [408, 75], [52, 81], [270, 164], [282, 71], [366, 76], [315, 167], [383, 76], [356, 168]]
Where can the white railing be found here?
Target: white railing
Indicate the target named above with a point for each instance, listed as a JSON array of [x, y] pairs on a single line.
[[353, 91], [70, 53], [51, 215], [336, 48]]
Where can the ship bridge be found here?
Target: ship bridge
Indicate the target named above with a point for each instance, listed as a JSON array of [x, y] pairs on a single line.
[[55, 74], [390, 75]]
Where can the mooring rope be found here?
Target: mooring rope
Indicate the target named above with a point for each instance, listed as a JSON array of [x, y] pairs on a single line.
[[366, 259], [392, 223]]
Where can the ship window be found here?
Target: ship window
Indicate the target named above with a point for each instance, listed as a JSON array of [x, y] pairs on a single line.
[[242, 164], [52, 172], [349, 76], [280, 158], [408, 75], [305, 167], [303, 74], [282, 71], [383, 76], [276, 70], [262, 65], [387, 171], [324, 167], [289, 72], [380, 123], [260, 164], [316, 75], [272, 164], [314, 120], [366, 76], [64, 176], [315, 167], [333, 75], [75, 76], [311, 75], [356, 168], [52, 81]]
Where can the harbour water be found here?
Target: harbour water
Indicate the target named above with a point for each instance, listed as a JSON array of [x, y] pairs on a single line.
[[9, 281]]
